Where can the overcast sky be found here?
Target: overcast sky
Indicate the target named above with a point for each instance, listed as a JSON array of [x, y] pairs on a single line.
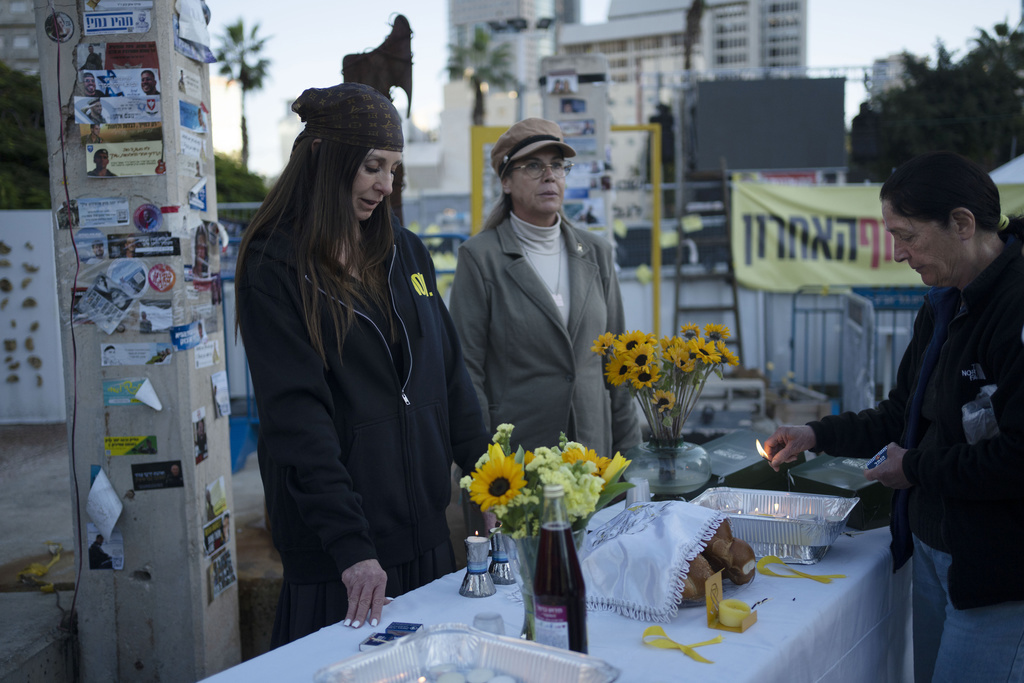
[[310, 37]]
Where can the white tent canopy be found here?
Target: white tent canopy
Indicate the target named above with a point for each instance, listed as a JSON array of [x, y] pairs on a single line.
[[1010, 172]]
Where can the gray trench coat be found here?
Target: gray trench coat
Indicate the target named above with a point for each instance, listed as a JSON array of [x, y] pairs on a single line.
[[528, 368]]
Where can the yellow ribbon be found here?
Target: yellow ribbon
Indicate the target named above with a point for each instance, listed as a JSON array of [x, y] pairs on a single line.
[[658, 638], [30, 573], [772, 559]]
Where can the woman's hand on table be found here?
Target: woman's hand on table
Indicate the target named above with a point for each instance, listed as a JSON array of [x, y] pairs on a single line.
[[890, 473], [787, 443], [365, 582]]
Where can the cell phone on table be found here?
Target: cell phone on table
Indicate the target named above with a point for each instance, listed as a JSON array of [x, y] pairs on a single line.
[[878, 458]]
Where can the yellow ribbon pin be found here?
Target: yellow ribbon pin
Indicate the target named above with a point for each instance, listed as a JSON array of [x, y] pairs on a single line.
[[762, 568], [655, 636]]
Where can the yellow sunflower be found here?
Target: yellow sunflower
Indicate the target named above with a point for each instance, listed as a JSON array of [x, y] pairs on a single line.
[[644, 377], [728, 357], [497, 481], [641, 355], [709, 354], [627, 341], [664, 400], [689, 331], [603, 343], [572, 455], [716, 332], [617, 371]]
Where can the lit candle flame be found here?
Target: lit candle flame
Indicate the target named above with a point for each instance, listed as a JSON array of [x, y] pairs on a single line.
[[760, 449]]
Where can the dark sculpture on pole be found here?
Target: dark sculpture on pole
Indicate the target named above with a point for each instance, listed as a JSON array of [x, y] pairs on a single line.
[[387, 66]]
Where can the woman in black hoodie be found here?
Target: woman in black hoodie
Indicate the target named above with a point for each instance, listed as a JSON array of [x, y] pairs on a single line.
[[363, 398]]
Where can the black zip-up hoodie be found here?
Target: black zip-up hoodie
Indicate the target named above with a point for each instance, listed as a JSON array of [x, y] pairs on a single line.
[[356, 459], [980, 487]]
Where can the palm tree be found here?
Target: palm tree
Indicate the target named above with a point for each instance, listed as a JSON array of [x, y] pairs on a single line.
[[481, 63], [241, 62]]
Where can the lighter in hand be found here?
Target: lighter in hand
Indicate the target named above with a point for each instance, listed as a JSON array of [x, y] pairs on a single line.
[[878, 458]]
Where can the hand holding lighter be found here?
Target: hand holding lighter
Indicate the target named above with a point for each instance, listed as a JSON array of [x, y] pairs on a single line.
[[879, 457]]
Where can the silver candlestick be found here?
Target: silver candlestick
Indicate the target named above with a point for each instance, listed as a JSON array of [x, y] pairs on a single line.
[[500, 570], [477, 583]]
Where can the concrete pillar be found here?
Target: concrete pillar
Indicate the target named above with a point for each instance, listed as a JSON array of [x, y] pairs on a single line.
[[168, 609]]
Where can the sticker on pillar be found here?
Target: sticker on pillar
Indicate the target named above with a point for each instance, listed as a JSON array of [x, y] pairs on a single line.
[[148, 218], [130, 391], [105, 553], [129, 445], [119, 111], [155, 314], [221, 573], [105, 303], [91, 245], [189, 83], [152, 353], [143, 244], [103, 506], [197, 195], [573, 105], [193, 117], [205, 255], [125, 159], [102, 212], [207, 354], [58, 27], [216, 499], [63, 216], [189, 336], [161, 279], [116, 22], [563, 82], [200, 53], [216, 533], [200, 447], [221, 396], [111, 5], [157, 475]]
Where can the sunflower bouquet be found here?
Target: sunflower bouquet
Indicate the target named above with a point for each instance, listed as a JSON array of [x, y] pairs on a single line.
[[511, 484], [666, 377]]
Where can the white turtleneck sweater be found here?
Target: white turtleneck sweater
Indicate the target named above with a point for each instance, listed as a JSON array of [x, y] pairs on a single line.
[[545, 250]]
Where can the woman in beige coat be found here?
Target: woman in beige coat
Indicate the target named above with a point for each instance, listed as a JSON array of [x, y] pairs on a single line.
[[530, 296]]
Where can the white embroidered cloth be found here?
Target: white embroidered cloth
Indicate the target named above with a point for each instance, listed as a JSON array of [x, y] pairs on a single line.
[[635, 563]]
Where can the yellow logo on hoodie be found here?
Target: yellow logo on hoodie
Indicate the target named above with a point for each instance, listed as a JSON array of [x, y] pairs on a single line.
[[420, 285]]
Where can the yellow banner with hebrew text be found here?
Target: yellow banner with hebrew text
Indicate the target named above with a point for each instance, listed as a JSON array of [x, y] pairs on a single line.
[[785, 237]]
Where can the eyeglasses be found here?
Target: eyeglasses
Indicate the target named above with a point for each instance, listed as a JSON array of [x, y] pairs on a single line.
[[535, 169]]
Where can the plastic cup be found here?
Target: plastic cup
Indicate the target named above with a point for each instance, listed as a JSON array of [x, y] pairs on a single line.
[[489, 622], [640, 493]]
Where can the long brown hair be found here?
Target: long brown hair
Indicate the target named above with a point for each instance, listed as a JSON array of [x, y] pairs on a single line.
[[312, 203]]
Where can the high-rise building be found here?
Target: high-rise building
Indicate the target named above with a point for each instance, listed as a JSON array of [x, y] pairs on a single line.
[[647, 36], [528, 26], [18, 48]]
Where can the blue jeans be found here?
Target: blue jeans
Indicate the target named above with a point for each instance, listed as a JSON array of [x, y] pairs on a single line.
[[980, 644]]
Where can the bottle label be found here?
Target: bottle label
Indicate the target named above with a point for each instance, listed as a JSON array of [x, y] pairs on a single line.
[[552, 625]]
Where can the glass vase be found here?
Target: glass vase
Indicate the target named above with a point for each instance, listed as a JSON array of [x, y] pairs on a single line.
[[673, 467], [522, 557]]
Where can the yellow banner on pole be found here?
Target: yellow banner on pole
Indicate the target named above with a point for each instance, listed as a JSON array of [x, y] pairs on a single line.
[[786, 237]]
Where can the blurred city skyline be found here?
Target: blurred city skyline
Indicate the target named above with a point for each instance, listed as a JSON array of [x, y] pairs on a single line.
[[308, 42]]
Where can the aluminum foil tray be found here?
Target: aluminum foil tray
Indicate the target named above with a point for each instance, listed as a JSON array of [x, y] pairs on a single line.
[[411, 657], [798, 528]]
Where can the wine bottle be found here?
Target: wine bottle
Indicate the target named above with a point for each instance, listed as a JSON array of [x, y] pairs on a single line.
[[560, 598]]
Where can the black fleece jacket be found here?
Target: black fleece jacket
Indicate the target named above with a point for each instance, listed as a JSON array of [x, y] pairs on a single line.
[[356, 459], [980, 486]]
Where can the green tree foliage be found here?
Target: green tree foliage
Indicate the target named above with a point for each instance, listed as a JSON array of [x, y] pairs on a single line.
[[972, 106], [235, 183], [24, 171], [239, 55], [480, 63]]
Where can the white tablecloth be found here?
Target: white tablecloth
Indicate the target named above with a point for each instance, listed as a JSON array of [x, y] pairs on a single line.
[[854, 629]]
